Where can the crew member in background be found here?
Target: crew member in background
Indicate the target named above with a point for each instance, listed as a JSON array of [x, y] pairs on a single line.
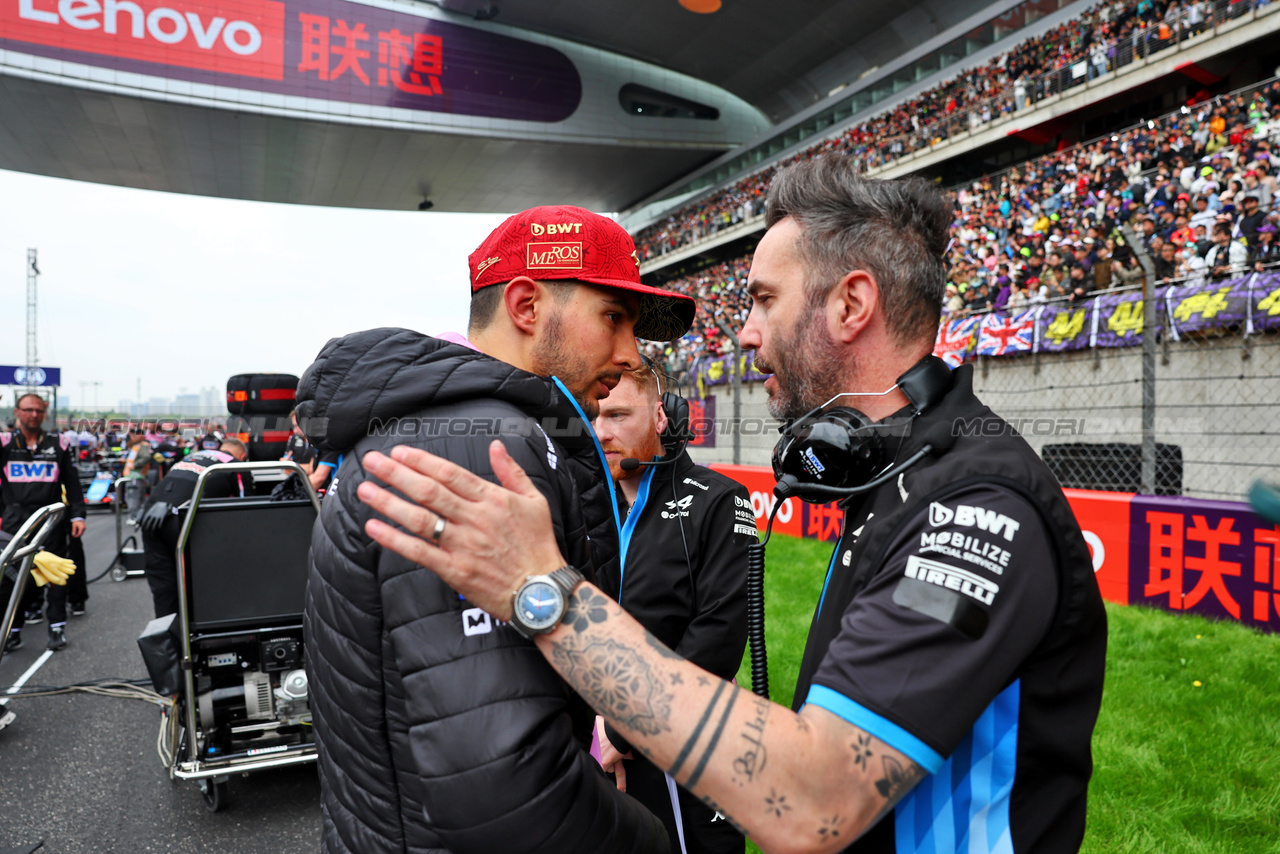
[[319, 465], [35, 469], [139, 465], [683, 576], [171, 451], [161, 519]]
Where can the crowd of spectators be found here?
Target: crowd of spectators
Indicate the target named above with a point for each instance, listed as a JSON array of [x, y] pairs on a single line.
[[1198, 188], [1108, 35], [721, 292]]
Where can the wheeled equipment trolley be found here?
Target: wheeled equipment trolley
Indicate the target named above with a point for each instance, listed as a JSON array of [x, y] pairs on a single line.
[[239, 678]]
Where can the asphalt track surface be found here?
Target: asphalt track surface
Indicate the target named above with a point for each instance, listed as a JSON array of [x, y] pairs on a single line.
[[80, 771]]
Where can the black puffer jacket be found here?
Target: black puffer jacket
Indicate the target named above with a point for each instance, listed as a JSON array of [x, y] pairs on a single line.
[[437, 728]]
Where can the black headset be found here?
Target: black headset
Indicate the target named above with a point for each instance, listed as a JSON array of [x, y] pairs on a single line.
[[838, 452], [677, 435]]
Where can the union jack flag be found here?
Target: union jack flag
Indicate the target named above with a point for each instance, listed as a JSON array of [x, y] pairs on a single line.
[[1001, 333], [955, 340]]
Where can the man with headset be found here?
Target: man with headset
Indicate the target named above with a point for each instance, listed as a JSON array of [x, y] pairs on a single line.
[[953, 671], [682, 575]]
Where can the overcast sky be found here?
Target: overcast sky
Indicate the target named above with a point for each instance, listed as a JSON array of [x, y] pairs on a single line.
[[184, 291]]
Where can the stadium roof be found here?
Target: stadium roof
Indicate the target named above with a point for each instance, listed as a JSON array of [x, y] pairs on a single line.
[[781, 57], [496, 107]]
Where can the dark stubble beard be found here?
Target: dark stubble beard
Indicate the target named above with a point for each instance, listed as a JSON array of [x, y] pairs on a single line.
[[553, 357], [808, 366]]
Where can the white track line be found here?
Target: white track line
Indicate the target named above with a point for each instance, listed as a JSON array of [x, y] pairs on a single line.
[[22, 680]]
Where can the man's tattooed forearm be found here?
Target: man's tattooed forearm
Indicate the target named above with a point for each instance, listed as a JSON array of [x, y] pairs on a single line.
[[754, 756], [715, 739], [585, 607], [615, 680], [897, 781], [697, 730]]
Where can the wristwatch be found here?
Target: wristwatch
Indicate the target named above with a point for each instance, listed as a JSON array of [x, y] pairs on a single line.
[[540, 603]]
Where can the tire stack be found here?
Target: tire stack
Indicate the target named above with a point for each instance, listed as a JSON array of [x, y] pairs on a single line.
[[260, 405]]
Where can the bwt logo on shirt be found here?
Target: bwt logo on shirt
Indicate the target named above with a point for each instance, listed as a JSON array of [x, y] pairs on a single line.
[[31, 472], [973, 517]]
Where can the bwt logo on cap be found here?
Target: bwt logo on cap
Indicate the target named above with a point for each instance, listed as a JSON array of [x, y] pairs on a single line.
[[553, 256]]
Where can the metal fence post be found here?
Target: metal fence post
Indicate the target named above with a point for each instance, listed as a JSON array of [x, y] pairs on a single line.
[[737, 389], [1148, 361]]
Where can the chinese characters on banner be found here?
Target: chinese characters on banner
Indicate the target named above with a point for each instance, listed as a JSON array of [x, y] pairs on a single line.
[[411, 62], [322, 50], [1211, 557]]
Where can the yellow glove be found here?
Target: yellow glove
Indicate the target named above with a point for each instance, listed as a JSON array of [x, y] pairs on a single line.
[[48, 568]]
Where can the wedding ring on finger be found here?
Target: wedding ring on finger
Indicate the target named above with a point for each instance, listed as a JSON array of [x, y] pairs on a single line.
[[437, 531]]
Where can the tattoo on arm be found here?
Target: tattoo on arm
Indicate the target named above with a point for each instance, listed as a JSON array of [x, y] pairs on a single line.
[[585, 607], [862, 751], [776, 804], [830, 828], [697, 731], [715, 739], [897, 781], [754, 756], [618, 682]]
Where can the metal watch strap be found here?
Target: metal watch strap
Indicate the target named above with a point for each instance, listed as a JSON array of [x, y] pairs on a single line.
[[567, 578]]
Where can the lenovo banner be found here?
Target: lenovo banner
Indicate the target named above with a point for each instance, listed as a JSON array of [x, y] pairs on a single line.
[[323, 49]]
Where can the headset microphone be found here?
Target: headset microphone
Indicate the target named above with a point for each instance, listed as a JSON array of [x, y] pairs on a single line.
[[631, 463], [837, 453]]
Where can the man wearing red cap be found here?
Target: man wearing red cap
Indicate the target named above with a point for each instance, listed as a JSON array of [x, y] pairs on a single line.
[[438, 727]]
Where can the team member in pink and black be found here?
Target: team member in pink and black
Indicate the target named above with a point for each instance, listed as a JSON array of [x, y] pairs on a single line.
[[35, 468]]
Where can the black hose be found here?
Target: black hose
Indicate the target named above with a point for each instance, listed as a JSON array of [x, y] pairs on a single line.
[[130, 539], [755, 610]]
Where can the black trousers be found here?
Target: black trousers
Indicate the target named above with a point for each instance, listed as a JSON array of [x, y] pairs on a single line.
[[162, 566], [78, 584], [704, 831]]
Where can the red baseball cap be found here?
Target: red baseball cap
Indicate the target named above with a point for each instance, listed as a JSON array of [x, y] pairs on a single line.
[[564, 242]]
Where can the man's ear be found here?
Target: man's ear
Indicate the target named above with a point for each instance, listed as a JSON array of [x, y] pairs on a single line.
[[856, 297], [522, 298], [660, 420]]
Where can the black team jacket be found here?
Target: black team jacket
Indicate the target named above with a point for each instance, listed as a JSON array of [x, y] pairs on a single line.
[[439, 729]]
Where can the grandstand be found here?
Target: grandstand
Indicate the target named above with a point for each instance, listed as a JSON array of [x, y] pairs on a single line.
[[1039, 266]]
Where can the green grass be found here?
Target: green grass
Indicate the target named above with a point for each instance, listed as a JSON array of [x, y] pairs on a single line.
[[1177, 767]]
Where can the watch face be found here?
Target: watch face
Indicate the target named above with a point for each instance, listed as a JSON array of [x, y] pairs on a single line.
[[540, 604]]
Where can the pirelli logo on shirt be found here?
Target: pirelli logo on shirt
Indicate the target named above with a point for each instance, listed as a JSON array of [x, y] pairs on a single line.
[[952, 578]]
